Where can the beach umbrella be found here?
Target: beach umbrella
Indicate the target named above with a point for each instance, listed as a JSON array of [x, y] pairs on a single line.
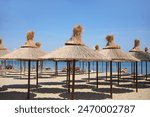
[[74, 50], [38, 44], [28, 52], [97, 48], [114, 51], [139, 54]]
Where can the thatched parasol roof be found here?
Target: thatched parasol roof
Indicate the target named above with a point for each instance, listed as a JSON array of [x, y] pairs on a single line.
[[29, 51], [114, 51], [3, 51], [138, 53], [146, 50], [74, 49], [38, 44], [97, 48], [77, 52]]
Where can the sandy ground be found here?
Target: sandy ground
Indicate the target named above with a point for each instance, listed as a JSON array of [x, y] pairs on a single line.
[[54, 88]]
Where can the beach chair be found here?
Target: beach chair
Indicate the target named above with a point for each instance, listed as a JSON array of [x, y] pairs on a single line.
[[124, 70]]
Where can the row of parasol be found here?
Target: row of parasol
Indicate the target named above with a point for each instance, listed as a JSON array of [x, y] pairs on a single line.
[[75, 50]]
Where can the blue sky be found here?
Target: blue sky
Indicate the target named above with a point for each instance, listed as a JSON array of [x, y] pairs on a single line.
[[53, 20]]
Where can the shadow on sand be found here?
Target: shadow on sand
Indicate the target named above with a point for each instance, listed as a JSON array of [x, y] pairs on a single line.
[[52, 83], [14, 95], [49, 90], [47, 99], [75, 81], [85, 96], [114, 90], [19, 86], [82, 86], [3, 88], [101, 83], [140, 85], [91, 79]]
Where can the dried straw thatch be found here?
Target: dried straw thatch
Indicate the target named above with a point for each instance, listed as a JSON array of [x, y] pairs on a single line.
[[76, 37], [138, 53], [146, 49], [114, 51], [30, 43], [29, 51], [136, 47], [97, 47], [74, 49], [118, 55], [38, 44], [110, 43], [24, 54], [3, 51], [77, 52]]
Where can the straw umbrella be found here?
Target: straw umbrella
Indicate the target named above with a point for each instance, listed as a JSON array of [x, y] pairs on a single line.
[[74, 50], [3, 51], [97, 49], [116, 54], [28, 52], [139, 54], [38, 44]]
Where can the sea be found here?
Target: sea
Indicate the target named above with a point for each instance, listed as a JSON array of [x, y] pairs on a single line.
[[102, 65]]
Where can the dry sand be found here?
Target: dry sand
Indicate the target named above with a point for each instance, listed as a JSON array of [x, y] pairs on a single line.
[[54, 88]]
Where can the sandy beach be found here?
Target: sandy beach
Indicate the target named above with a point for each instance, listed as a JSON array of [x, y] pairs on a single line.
[[50, 87]]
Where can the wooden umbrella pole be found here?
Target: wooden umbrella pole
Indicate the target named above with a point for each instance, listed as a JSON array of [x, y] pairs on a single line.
[[106, 70], [131, 68], [83, 67], [20, 68], [56, 68], [146, 69], [41, 67], [134, 71], [141, 67], [67, 79], [24, 66], [88, 71], [136, 77], [37, 65], [73, 80], [93, 66], [118, 72], [102, 66], [111, 79], [69, 76], [97, 73], [28, 95], [5, 68]]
